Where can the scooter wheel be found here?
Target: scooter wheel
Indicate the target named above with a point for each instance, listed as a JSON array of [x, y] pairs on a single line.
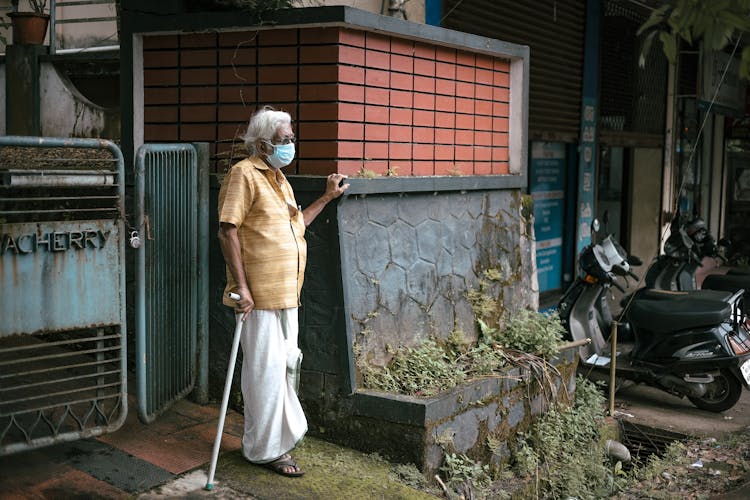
[[722, 393]]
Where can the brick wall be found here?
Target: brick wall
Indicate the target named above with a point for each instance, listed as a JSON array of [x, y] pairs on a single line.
[[359, 99]]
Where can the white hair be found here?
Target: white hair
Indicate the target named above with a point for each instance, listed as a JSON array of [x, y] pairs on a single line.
[[263, 125]]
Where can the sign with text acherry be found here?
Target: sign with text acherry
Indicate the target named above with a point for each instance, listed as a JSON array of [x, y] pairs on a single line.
[[59, 275], [547, 185]]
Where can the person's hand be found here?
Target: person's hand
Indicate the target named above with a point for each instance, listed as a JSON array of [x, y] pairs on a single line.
[[245, 304], [334, 185]]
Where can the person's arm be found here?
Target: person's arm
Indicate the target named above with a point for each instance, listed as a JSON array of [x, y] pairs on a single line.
[[230, 248], [333, 191]]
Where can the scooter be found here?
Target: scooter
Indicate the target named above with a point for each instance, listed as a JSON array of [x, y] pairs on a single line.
[[689, 262], [690, 344]]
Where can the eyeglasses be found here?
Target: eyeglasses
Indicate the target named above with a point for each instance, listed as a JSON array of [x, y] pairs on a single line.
[[282, 142]]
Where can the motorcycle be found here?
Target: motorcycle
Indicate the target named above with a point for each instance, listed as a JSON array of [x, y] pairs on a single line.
[[690, 260], [689, 344]]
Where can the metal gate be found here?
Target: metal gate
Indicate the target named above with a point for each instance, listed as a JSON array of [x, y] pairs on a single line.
[[62, 289], [171, 267]]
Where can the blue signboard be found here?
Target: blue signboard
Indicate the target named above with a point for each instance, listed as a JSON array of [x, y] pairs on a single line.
[[586, 166], [63, 274], [546, 185]]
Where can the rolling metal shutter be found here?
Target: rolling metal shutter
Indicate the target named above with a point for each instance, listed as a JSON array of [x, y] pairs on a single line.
[[633, 99], [554, 30]]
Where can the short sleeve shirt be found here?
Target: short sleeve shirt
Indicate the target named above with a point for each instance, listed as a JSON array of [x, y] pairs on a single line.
[[260, 202]]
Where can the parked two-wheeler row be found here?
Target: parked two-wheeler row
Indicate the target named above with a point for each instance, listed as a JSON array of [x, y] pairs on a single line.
[[693, 344], [689, 262]]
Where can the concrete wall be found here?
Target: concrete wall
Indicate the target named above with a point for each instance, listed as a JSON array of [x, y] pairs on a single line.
[[462, 421], [40, 100], [392, 269], [65, 112], [409, 260], [644, 203]]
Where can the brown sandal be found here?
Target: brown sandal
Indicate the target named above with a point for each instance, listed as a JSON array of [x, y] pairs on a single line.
[[282, 464]]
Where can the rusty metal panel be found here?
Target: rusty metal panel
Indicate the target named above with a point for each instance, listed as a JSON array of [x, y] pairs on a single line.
[[63, 368], [65, 275]]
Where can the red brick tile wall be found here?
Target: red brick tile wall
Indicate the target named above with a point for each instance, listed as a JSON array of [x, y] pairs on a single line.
[[359, 100]]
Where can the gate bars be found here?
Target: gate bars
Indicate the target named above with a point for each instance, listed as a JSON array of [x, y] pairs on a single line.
[[171, 197], [62, 291]]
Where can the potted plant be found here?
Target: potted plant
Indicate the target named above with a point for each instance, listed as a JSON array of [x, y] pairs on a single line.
[[30, 27]]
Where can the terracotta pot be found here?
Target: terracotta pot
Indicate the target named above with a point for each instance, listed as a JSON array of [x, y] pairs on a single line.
[[29, 28]]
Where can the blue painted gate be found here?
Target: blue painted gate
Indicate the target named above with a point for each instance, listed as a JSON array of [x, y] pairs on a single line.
[[62, 291], [171, 197]]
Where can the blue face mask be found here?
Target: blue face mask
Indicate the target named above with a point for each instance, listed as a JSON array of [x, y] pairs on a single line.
[[283, 154]]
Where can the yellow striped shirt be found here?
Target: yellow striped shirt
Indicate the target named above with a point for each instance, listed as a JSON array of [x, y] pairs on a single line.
[[259, 201]]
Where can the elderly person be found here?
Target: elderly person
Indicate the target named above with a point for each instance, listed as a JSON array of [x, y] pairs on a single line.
[[261, 233]]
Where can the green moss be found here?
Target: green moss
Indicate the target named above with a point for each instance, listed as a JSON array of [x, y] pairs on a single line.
[[329, 468], [527, 205]]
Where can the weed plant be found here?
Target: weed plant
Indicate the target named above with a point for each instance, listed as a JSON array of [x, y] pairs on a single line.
[[433, 367], [562, 449], [532, 332], [425, 370], [655, 465], [460, 470]]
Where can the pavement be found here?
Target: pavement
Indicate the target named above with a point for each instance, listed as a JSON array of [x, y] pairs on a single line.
[[170, 457], [648, 406]]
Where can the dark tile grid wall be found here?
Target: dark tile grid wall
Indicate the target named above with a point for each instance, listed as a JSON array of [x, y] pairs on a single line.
[[201, 87], [359, 99]]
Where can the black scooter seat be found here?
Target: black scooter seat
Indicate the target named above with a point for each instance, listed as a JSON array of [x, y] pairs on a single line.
[[654, 294], [728, 282], [664, 316]]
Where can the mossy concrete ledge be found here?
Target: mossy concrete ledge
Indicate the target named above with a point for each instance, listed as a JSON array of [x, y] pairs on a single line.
[[480, 418]]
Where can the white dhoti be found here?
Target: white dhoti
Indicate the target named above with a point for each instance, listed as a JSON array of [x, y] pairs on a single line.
[[274, 420]]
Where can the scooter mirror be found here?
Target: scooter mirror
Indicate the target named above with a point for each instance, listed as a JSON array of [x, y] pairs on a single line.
[[595, 226]]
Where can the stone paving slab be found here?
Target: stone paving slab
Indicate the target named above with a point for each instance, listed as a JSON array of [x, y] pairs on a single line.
[[32, 474], [111, 465]]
